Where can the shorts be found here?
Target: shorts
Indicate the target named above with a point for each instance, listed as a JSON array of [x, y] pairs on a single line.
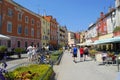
[[81, 55], [74, 55], [86, 53], [103, 58]]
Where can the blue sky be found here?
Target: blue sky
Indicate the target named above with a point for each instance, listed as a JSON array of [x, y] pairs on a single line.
[[77, 15]]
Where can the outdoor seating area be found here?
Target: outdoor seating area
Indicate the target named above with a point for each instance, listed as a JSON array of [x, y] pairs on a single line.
[[106, 58]]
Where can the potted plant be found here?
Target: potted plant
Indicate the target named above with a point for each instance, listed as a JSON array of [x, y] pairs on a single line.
[[116, 31], [92, 53], [2, 51], [110, 54], [18, 51]]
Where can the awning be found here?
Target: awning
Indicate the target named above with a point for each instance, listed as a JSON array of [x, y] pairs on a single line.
[[109, 40], [115, 39], [4, 37]]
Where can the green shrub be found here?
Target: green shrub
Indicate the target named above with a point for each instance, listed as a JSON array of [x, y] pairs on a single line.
[[3, 48], [19, 50], [117, 28], [92, 52]]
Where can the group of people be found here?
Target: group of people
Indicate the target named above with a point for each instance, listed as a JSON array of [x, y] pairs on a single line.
[[32, 52], [83, 52]]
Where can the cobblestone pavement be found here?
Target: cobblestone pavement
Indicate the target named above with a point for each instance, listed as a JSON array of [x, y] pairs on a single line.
[[87, 70]]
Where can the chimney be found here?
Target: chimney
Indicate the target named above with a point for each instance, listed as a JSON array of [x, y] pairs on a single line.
[[101, 14]]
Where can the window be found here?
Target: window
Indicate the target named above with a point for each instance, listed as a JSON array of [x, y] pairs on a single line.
[[32, 43], [32, 32], [38, 24], [38, 33], [0, 43], [26, 30], [32, 21], [9, 27], [19, 29], [10, 12], [43, 22], [18, 44], [0, 0], [0, 20], [9, 43], [48, 31], [19, 16], [38, 45], [26, 44], [26, 19]]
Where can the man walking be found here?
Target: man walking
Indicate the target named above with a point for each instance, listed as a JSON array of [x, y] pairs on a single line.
[[74, 52]]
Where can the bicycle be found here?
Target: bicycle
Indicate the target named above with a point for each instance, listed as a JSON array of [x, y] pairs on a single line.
[[3, 70]]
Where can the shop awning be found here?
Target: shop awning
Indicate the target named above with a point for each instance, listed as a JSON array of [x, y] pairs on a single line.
[[4, 37], [109, 40], [115, 39]]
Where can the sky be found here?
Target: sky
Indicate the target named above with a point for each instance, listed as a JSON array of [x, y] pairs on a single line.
[[76, 15]]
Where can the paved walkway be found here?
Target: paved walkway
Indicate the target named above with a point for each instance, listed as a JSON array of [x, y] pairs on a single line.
[[88, 70], [13, 61]]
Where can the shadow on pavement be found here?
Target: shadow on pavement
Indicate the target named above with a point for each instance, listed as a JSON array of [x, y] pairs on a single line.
[[13, 58]]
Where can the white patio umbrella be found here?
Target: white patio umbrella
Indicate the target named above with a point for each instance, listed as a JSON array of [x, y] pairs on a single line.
[[4, 37]]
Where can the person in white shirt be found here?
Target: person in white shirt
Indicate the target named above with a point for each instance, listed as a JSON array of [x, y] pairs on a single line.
[[34, 51], [29, 53]]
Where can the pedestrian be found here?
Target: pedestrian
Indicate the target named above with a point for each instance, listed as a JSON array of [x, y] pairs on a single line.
[[81, 53], [74, 52], [29, 52], [104, 57], [34, 52], [86, 52]]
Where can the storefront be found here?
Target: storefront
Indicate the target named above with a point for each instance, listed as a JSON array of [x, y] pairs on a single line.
[[109, 44]]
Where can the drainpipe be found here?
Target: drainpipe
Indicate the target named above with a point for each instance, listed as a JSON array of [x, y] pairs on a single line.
[[1, 14]]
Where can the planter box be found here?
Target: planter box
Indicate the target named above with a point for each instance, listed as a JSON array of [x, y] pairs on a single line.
[[116, 33]]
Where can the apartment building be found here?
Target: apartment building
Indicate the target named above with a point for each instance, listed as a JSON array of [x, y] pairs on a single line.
[[62, 35], [77, 37], [45, 32], [20, 24], [71, 38], [53, 31]]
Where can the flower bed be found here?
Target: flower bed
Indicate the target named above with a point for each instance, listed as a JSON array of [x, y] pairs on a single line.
[[32, 72]]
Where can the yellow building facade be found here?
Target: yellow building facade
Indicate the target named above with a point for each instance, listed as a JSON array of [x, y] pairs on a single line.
[[45, 32]]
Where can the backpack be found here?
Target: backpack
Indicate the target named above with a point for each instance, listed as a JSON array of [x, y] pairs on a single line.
[[86, 50]]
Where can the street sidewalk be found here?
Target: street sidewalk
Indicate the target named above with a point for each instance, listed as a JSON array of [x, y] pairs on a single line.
[[87, 70], [13, 61]]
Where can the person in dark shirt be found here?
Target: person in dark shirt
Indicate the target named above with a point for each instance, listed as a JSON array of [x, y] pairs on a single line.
[[86, 52]]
